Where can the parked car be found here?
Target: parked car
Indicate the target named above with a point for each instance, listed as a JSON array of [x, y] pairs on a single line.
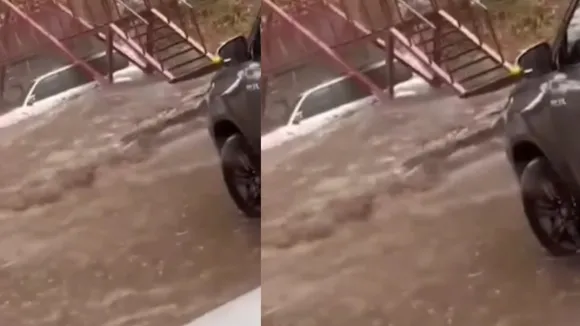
[[324, 103], [541, 130], [233, 103], [56, 86], [70, 77]]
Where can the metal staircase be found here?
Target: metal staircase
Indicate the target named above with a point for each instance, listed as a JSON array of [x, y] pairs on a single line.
[[456, 54], [165, 46], [155, 38], [444, 41]]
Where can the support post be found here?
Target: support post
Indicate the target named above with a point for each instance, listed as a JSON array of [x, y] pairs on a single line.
[[149, 39], [325, 49], [56, 42], [110, 58], [2, 83], [390, 60], [437, 47]]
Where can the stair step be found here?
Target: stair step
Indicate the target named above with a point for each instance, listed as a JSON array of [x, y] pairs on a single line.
[[175, 67], [135, 46], [419, 54], [143, 30], [169, 45], [446, 59], [468, 64], [187, 49], [490, 86], [479, 74], [441, 37]]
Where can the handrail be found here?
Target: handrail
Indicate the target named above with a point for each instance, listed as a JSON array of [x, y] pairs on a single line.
[[488, 20], [132, 11], [430, 25], [195, 22], [417, 14], [135, 14]]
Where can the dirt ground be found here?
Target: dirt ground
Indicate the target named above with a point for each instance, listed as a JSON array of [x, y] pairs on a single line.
[[108, 216], [389, 220]]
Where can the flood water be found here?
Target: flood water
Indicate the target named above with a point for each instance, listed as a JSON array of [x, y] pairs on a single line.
[[364, 237], [102, 224]]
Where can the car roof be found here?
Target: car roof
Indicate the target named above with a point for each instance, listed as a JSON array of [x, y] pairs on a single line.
[[339, 79], [63, 68]]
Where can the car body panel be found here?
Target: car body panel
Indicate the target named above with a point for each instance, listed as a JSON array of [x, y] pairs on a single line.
[[544, 110], [234, 96]]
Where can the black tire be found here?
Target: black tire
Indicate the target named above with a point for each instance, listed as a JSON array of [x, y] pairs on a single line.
[[550, 208], [240, 170]]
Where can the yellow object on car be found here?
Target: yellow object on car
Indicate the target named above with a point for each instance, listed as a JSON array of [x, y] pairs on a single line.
[[516, 70]]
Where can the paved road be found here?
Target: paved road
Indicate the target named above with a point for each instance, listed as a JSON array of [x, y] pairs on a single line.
[[102, 224]]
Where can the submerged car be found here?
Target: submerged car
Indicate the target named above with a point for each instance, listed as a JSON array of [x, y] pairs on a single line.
[[48, 90], [324, 103], [233, 103], [541, 131]]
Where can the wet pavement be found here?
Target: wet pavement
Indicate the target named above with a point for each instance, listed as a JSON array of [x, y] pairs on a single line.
[[373, 231], [108, 216]]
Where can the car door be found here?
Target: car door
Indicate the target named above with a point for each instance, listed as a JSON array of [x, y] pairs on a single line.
[[563, 90]]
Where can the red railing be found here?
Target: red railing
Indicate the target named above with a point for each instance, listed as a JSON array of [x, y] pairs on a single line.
[[342, 34]]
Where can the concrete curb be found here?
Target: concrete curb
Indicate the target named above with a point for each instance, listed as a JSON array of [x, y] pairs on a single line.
[[242, 311]]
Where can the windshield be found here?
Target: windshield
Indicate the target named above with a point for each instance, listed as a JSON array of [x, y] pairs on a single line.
[[59, 82], [71, 77], [19, 87], [342, 92], [324, 99], [332, 96]]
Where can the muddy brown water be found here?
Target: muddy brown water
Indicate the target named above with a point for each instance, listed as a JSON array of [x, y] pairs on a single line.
[[101, 228], [364, 241]]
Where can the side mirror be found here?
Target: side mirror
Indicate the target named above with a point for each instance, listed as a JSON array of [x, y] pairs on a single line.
[[536, 60], [234, 50]]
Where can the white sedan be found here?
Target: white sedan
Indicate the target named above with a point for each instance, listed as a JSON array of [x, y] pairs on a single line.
[[326, 102], [59, 85]]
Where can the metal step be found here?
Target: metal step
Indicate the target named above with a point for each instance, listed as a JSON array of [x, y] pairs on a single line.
[[453, 52], [152, 40]]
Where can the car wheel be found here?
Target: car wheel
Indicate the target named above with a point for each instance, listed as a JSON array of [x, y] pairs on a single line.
[[551, 208], [242, 175]]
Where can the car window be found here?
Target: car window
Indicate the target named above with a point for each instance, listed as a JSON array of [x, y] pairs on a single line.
[[101, 63], [59, 82], [378, 76], [74, 76], [332, 96]]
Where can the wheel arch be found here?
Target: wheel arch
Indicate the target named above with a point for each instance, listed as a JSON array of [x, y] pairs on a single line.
[[222, 130], [523, 152]]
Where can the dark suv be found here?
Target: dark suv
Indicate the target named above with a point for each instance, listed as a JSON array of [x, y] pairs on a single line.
[[542, 136], [234, 106]]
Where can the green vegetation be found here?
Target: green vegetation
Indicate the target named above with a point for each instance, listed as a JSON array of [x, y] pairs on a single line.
[[520, 23], [222, 19]]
